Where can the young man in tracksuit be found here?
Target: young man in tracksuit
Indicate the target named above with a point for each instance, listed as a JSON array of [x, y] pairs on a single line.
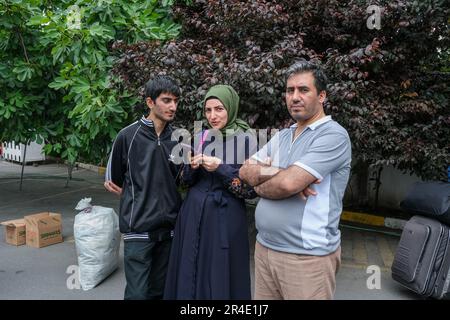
[[140, 171]]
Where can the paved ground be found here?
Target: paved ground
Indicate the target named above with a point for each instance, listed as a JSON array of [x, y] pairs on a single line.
[[29, 273]]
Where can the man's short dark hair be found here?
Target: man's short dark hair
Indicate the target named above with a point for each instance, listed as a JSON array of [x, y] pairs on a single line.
[[302, 66], [161, 84]]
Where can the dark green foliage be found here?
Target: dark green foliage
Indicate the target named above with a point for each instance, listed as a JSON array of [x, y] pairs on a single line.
[[388, 87], [55, 67]]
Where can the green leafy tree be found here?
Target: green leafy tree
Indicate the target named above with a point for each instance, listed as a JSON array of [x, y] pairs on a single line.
[[25, 71], [55, 83]]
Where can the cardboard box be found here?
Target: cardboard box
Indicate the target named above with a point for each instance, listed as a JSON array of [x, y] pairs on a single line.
[[43, 229], [15, 231]]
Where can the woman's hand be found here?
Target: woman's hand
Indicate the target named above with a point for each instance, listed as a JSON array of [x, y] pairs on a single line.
[[196, 161], [210, 163]]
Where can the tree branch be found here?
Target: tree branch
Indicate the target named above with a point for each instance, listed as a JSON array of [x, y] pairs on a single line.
[[23, 46]]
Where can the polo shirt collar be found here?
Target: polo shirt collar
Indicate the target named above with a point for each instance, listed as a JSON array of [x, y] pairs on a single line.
[[316, 124]]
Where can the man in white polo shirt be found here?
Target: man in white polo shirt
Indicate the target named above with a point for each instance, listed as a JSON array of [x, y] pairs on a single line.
[[297, 253]]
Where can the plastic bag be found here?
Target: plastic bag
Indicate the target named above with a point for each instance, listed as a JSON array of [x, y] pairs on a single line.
[[97, 240]]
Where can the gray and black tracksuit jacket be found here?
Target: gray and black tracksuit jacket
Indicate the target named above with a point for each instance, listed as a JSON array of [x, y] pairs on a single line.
[[140, 164]]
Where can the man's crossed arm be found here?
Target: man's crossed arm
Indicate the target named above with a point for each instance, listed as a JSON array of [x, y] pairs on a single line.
[[275, 183]]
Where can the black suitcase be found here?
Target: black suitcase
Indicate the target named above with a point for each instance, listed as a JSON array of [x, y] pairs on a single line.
[[431, 198], [422, 259]]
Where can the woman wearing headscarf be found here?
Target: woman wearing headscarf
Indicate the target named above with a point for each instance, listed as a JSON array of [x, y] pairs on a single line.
[[210, 250]]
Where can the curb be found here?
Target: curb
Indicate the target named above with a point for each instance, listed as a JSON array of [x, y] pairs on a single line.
[[90, 167], [373, 220]]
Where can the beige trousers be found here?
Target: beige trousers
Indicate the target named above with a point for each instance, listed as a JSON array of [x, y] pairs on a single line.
[[288, 276]]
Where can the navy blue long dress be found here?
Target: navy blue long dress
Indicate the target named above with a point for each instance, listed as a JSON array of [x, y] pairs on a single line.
[[210, 250]]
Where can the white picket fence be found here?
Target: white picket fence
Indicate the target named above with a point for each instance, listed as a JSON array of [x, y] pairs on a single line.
[[15, 152]]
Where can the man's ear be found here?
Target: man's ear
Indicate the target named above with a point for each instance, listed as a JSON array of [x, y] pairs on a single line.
[[149, 102], [322, 96]]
